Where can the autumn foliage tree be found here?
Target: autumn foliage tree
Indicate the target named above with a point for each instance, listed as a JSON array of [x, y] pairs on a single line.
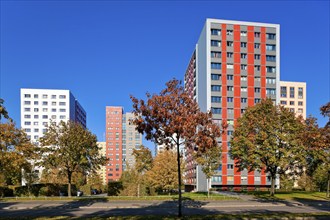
[[70, 148], [268, 137], [174, 119]]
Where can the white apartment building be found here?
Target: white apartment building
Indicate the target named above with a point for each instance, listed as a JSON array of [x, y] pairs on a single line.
[[293, 97], [40, 106]]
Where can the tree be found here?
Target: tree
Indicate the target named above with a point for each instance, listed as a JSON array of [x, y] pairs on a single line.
[[143, 163], [163, 174], [267, 137], [325, 111], [3, 111], [70, 148], [174, 119], [209, 161], [15, 152]]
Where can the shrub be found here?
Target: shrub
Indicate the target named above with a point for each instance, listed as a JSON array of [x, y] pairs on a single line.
[[114, 188], [6, 192], [86, 189]]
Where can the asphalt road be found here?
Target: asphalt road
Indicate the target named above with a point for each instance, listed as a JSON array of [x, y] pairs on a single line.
[[127, 208]]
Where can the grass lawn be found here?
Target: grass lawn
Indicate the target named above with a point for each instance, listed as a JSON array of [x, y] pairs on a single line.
[[292, 195]]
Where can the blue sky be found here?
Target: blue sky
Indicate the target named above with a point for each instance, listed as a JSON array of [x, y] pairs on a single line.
[[103, 51]]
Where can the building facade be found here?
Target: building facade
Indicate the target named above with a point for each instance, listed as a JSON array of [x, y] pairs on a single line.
[[41, 106], [121, 139], [293, 96], [102, 171], [235, 64]]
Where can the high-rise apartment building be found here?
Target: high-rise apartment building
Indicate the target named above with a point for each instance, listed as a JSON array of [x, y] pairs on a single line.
[[235, 64], [121, 139], [102, 170], [40, 106], [293, 96]]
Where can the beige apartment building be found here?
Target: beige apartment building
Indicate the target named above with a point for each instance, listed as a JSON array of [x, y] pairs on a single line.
[[293, 96], [102, 170]]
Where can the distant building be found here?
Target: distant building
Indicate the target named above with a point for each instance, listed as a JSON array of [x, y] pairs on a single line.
[[121, 139], [234, 65], [41, 106], [102, 170], [293, 96]]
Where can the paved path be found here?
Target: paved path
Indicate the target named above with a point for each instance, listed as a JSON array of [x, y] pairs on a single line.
[[126, 208]]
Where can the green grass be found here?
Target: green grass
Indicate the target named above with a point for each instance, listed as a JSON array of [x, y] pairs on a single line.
[[289, 216], [187, 196], [291, 195]]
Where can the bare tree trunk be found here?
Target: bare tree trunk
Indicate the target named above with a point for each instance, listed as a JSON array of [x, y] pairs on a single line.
[[272, 189], [179, 178], [138, 190], [328, 187], [208, 187], [69, 184]]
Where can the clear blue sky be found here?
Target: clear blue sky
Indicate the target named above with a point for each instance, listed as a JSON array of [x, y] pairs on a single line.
[[103, 51]]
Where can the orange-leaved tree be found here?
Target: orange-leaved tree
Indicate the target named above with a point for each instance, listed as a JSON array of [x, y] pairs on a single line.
[[174, 119]]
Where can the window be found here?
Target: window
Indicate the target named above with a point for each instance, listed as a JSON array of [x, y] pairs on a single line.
[[230, 88], [270, 47], [271, 91], [35, 96], [229, 132], [270, 80], [44, 103], [216, 179], [215, 54], [300, 103], [230, 111], [53, 116], [215, 76], [36, 130], [271, 36], [243, 110], [291, 102], [243, 44], [243, 100], [243, 55], [243, 178], [256, 45], [216, 110], [45, 110], [230, 66], [27, 123], [230, 99], [27, 96], [230, 43], [53, 96], [216, 66], [257, 100], [257, 56], [62, 96], [291, 92], [257, 78], [215, 43], [300, 93], [230, 77], [257, 34], [215, 32], [256, 67], [270, 58], [283, 102], [36, 103], [45, 124], [45, 96], [62, 109], [45, 116], [257, 90], [243, 89], [257, 178], [230, 166], [283, 91], [215, 88], [27, 116], [243, 67], [291, 109], [35, 123], [62, 103], [243, 78], [36, 117], [300, 110], [27, 102], [243, 33], [230, 178], [229, 54], [53, 109], [270, 69], [27, 130], [27, 109], [44, 130], [230, 32]]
